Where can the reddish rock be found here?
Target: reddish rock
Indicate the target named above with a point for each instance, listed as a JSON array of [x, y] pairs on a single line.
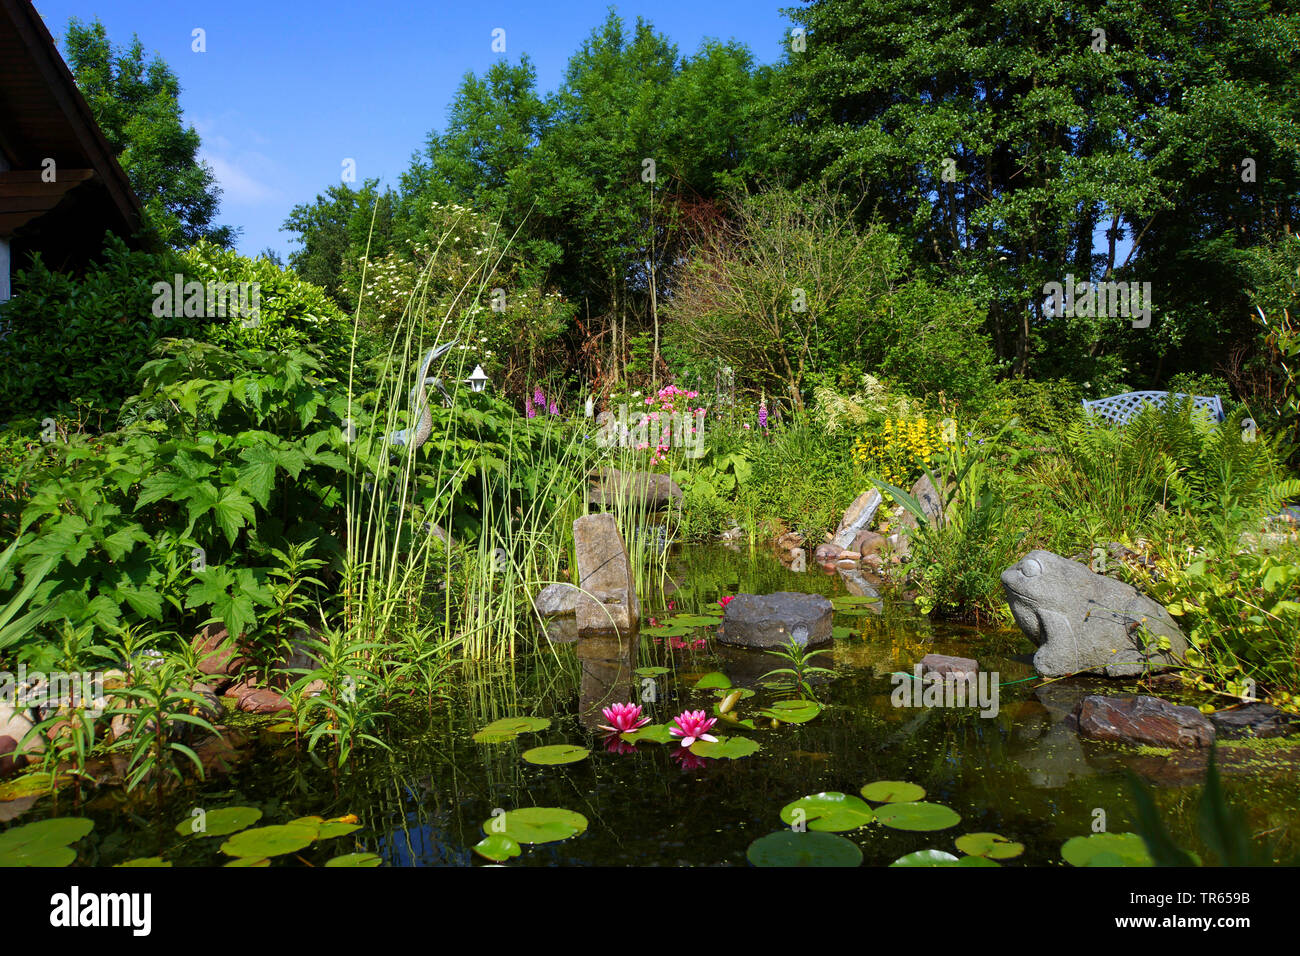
[[1142, 720], [943, 664], [217, 653], [868, 542], [826, 553], [262, 700]]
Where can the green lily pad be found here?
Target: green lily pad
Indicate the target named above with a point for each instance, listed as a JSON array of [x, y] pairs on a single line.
[[723, 692], [249, 861], [1106, 849], [144, 861], [713, 679], [537, 824], [32, 784], [989, 845], [666, 630], [788, 848], [839, 633], [330, 829], [556, 754], [508, 728], [693, 620], [726, 748], [892, 791], [793, 711], [969, 861], [497, 847], [653, 733], [917, 816], [43, 843], [852, 600], [222, 822], [926, 858], [270, 841], [651, 671], [855, 611], [833, 811], [355, 860]]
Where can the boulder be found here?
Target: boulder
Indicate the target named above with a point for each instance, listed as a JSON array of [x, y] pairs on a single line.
[[868, 542], [556, 599], [608, 600], [1254, 720], [644, 489], [928, 498], [827, 552], [771, 620], [857, 518], [218, 655], [1082, 621], [15, 724], [1152, 721], [948, 666]]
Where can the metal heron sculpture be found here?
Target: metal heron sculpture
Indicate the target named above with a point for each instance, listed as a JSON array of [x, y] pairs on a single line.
[[420, 402]]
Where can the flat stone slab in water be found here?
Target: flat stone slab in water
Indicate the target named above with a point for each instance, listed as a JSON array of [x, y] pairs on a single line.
[[945, 665], [1255, 720], [1152, 721], [771, 620]]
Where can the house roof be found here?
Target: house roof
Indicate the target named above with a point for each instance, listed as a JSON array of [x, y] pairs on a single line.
[[44, 116]]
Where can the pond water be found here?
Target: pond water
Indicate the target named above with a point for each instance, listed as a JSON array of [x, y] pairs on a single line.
[[1021, 773]]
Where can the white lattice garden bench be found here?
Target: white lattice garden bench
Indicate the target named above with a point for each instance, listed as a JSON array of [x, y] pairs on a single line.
[[1118, 409]]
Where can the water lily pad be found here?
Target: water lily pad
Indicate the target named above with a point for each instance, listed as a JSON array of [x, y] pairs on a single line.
[[249, 861], [666, 630], [222, 822], [713, 679], [693, 620], [969, 861], [855, 611], [723, 692], [537, 824], [1106, 849], [793, 711], [43, 843], [556, 754], [989, 845], [143, 861], [282, 727], [355, 860], [31, 785], [497, 847], [270, 841], [852, 600], [651, 671], [917, 816], [839, 633], [926, 858], [788, 848], [508, 728], [330, 829], [653, 733], [735, 721], [725, 748], [893, 791], [833, 811]]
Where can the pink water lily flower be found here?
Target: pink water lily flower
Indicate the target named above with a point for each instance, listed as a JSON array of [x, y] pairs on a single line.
[[624, 718], [693, 725]]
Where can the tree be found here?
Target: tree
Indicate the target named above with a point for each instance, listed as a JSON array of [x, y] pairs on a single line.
[[137, 105], [336, 230], [1009, 145]]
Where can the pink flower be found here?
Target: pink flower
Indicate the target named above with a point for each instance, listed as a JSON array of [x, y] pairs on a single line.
[[688, 760], [532, 411], [693, 725], [554, 409], [625, 718], [724, 601], [539, 398]]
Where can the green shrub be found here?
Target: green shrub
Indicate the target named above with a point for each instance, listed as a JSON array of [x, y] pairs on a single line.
[[80, 339]]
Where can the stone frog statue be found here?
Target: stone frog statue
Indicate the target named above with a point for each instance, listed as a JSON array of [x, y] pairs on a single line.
[[1084, 621]]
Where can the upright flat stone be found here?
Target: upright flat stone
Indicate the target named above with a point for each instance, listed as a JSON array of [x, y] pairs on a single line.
[[771, 620], [605, 574], [857, 518]]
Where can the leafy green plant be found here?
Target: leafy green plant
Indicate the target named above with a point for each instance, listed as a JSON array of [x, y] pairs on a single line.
[[797, 678]]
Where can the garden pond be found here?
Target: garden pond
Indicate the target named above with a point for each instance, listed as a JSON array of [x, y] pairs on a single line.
[[1021, 773]]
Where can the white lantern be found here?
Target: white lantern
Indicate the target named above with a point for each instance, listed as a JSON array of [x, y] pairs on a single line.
[[478, 379]]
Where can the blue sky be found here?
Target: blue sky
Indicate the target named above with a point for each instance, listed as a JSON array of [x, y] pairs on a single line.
[[288, 89]]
